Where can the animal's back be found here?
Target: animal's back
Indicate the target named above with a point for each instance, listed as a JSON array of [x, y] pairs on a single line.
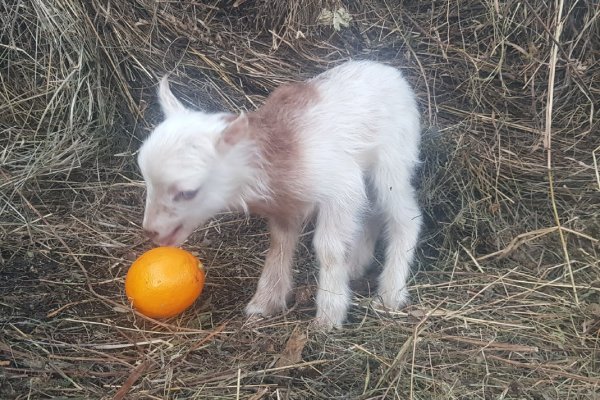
[[366, 111]]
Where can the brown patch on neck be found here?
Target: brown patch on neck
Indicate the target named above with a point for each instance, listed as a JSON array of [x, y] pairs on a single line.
[[276, 129]]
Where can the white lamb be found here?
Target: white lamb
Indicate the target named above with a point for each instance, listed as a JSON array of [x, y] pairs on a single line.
[[341, 147]]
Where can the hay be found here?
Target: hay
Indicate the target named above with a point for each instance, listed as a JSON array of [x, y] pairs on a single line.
[[506, 291]]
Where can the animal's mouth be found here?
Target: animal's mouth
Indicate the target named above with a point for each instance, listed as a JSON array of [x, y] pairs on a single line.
[[169, 240]]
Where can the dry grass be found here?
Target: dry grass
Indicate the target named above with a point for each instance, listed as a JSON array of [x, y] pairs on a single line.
[[506, 291]]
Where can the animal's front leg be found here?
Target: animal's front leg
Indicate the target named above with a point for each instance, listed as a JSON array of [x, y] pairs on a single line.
[[275, 283]]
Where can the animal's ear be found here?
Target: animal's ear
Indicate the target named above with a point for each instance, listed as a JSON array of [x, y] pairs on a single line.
[[168, 102], [236, 130]]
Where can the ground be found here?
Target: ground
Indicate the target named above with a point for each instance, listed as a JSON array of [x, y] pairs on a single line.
[[505, 297]]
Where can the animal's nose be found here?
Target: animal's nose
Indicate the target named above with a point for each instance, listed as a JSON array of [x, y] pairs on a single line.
[[150, 233]]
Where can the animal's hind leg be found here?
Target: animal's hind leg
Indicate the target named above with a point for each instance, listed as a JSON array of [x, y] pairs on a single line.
[[337, 226], [361, 252], [398, 204]]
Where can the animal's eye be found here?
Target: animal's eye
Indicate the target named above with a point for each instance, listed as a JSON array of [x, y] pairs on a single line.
[[185, 195]]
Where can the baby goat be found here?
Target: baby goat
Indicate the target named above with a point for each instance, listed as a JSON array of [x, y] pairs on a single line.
[[342, 146]]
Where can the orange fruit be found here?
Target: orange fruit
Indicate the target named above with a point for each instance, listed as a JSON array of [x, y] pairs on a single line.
[[164, 281]]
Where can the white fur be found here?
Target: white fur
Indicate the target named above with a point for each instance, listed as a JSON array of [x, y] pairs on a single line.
[[360, 144]]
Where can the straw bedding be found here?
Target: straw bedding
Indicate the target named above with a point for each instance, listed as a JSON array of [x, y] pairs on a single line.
[[505, 291]]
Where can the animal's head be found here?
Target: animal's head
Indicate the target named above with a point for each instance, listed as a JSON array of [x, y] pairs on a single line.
[[187, 164]]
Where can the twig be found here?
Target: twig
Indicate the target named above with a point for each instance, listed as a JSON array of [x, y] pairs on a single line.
[[133, 377], [548, 140], [549, 369]]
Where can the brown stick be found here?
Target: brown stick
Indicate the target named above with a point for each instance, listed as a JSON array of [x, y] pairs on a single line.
[[133, 377]]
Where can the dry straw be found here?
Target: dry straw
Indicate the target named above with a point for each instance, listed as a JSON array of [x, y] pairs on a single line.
[[505, 295]]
